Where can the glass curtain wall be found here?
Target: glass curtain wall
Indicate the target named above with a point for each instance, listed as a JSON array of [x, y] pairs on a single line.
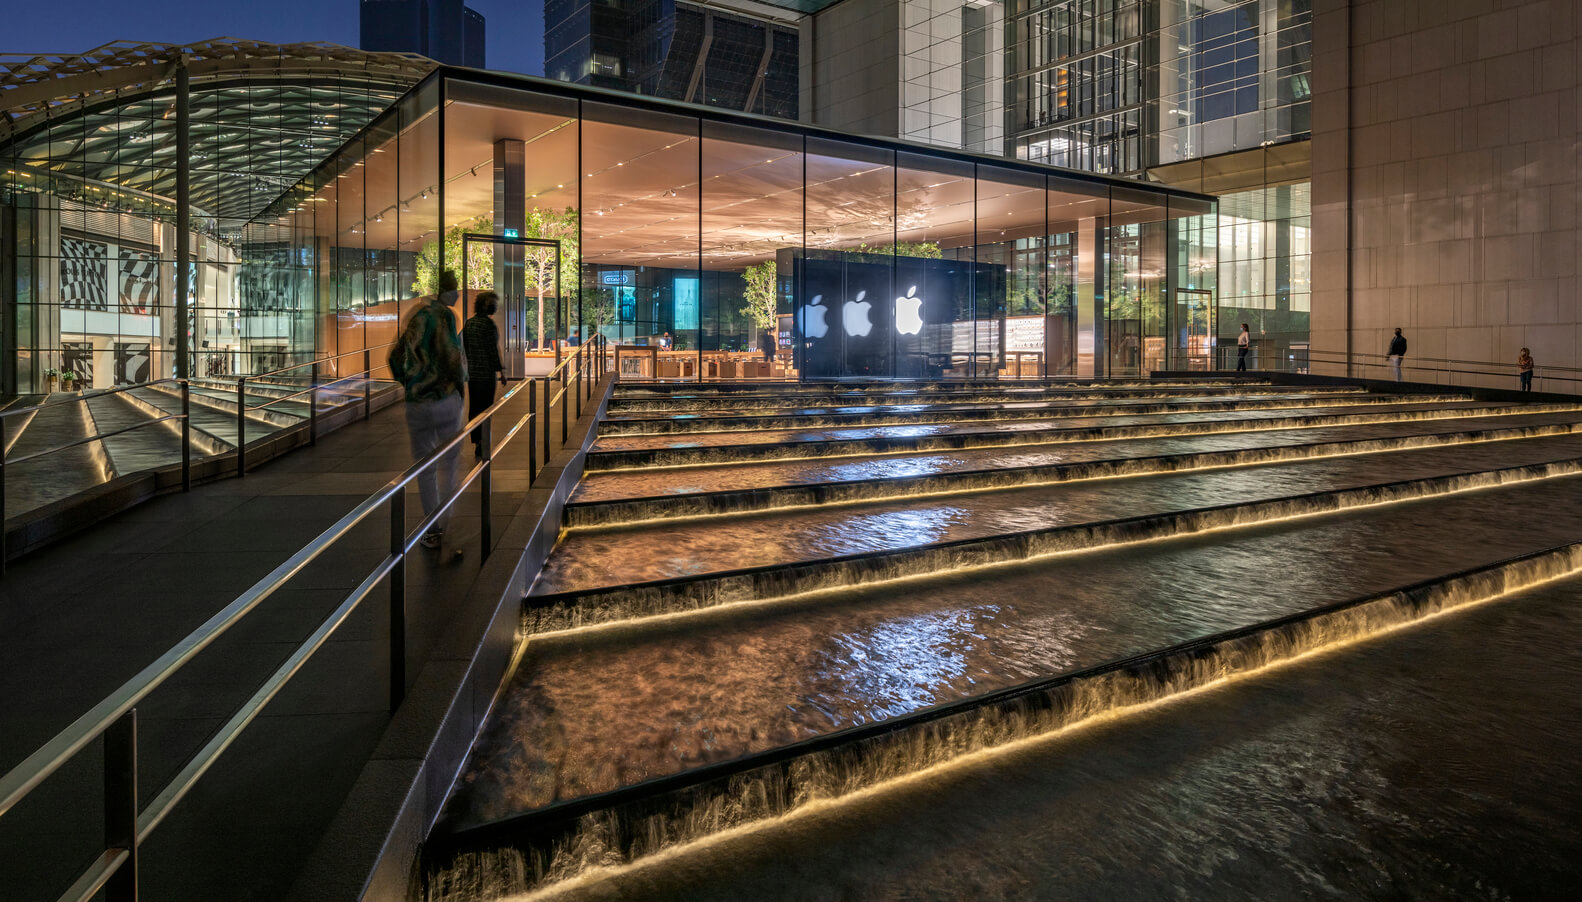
[[711, 248], [934, 263], [641, 235], [511, 170], [751, 211], [1012, 256], [90, 195]]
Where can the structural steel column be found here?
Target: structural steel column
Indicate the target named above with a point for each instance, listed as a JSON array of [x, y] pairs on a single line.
[[510, 219], [183, 216]]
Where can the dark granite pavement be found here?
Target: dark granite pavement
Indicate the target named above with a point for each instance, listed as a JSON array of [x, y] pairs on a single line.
[[80, 618]]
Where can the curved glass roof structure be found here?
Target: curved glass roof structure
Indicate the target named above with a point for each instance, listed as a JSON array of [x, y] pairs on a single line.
[[100, 126]]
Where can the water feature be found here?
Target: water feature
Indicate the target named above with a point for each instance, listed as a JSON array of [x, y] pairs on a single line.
[[702, 676], [630, 829]]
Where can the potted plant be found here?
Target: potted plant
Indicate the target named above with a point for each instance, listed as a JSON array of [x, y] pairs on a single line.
[[68, 380], [50, 376]]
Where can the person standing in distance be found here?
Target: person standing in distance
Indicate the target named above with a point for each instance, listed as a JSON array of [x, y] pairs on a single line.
[[428, 362], [480, 341], [1397, 353], [1524, 364], [1243, 345]]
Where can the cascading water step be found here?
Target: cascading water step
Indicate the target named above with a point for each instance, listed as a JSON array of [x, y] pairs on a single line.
[[621, 406], [713, 643], [668, 549], [629, 452], [920, 414], [717, 503], [626, 484], [565, 838]]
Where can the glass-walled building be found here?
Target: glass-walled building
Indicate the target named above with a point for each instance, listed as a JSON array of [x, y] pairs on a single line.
[[1207, 95], [711, 245], [89, 232]]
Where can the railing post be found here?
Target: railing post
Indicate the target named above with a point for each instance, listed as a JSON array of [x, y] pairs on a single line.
[[368, 384], [484, 483], [398, 599], [532, 431], [576, 387], [120, 804], [567, 391], [241, 425], [546, 421], [313, 404], [186, 436]]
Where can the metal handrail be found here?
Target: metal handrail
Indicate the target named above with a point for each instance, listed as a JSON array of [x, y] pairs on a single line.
[[1308, 358], [312, 391], [85, 396], [186, 440], [318, 360], [115, 716]]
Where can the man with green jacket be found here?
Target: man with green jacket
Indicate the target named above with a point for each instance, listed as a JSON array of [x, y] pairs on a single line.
[[427, 360]]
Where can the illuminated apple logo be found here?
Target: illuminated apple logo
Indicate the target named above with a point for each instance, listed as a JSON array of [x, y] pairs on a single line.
[[813, 322], [909, 313], [854, 316]]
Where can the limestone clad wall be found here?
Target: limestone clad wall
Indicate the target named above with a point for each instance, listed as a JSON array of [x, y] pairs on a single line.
[[1445, 178]]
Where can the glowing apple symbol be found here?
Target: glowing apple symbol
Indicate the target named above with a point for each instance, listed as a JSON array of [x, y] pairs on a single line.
[[854, 316], [813, 323], [909, 313]]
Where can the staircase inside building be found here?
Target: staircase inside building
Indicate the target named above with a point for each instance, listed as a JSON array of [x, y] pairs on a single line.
[[829, 614]]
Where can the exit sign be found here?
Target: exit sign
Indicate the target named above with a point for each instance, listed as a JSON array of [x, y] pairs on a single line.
[[512, 233]]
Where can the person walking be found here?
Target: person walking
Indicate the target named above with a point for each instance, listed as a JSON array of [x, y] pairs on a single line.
[[1243, 345], [1524, 363], [427, 361], [1397, 353], [480, 342]]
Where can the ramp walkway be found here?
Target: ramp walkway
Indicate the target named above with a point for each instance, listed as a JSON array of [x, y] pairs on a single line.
[[82, 617]]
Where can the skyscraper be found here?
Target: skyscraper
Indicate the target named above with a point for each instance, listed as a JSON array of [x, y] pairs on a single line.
[[445, 31], [738, 56]]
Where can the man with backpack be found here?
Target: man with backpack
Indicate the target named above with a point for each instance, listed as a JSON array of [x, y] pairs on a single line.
[[427, 360]]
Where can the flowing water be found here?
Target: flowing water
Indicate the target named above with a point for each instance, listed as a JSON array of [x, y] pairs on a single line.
[[1435, 763], [806, 652]]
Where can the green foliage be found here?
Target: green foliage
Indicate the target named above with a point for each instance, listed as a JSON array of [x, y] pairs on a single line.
[[926, 249], [538, 262], [480, 268], [762, 295]]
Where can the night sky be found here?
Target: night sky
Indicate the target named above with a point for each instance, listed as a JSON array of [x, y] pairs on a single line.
[[515, 30]]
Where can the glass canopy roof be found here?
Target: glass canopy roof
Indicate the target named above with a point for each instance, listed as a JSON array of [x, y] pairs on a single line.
[[101, 126]]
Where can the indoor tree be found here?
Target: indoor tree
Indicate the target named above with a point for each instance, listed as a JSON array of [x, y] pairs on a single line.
[[762, 295], [538, 263]]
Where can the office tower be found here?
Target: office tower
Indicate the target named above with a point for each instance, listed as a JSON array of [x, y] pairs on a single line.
[[445, 31], [739, 56]]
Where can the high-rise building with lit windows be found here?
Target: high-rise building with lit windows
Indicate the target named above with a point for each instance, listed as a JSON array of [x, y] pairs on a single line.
[[739, 56], [1211, 95]]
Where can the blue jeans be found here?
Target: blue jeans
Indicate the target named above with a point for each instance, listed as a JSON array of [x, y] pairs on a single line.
[[1527, 380], [431, 424]]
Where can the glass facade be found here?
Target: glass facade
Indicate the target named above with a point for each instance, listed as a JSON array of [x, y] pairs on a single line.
[[1120, 86], [88, 228], [719, 247], [1209, 95], [676, 50]]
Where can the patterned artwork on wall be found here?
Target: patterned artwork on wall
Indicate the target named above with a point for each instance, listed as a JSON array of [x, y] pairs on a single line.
[[84, 277], [139, 281], [132, 362], [77, 358]]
